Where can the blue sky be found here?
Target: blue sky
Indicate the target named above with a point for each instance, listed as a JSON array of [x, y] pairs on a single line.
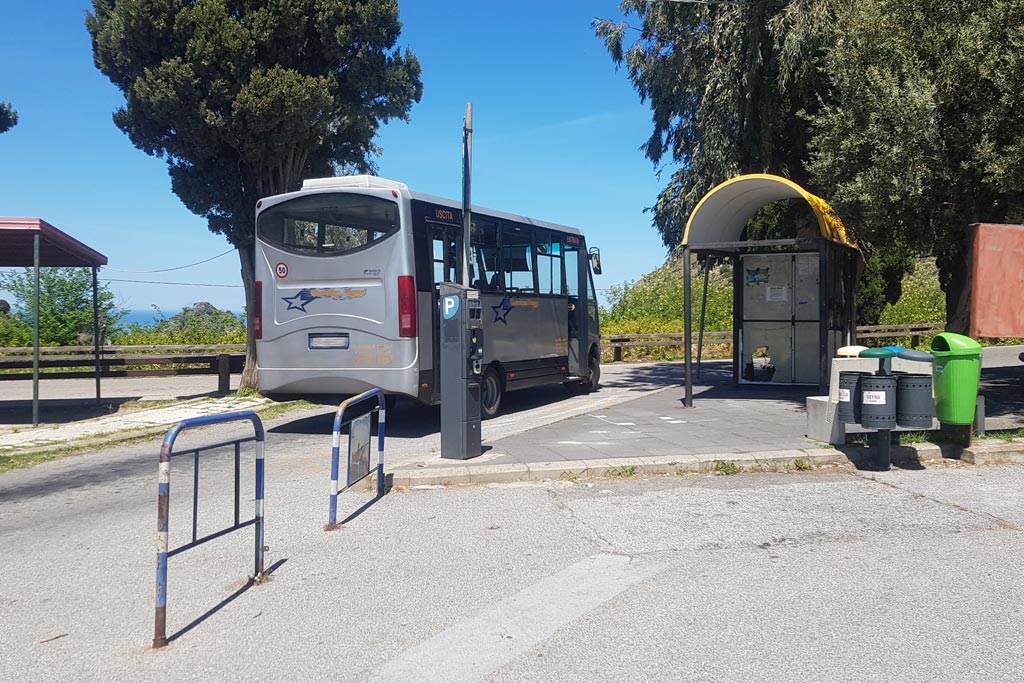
[[557, 132]]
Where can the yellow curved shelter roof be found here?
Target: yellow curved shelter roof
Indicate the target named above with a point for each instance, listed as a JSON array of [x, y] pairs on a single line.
[[721, 213]]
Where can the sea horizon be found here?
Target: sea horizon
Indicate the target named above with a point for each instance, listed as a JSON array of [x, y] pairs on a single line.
[[148, 317]]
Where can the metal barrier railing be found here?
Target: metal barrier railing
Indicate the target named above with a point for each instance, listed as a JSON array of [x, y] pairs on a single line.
[[164, 503], [355, 455]]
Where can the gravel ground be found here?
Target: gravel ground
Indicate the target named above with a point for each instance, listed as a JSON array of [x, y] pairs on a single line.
[[901, 576]]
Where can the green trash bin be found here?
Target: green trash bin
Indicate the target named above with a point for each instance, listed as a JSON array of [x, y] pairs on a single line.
[[956, 371]]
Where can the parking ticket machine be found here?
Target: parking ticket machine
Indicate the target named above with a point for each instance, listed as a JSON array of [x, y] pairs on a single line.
[[462, 353]]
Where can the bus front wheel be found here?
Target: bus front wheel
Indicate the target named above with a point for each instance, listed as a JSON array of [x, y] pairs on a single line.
[[490, 393]]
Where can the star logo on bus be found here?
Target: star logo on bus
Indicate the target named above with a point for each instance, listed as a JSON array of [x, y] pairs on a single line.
[[299, 301], [501, 310]]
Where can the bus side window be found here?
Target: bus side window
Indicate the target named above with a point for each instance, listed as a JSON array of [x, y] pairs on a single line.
[[549, 263], [444, 255], [483, 263], [517, 258], [572, 270]]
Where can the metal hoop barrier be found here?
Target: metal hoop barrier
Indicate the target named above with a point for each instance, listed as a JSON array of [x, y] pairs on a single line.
[[353, 477], [164, 504]]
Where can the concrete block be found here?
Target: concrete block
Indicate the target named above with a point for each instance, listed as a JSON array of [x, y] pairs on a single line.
[[927, 451], [822, 424], [994, 454]]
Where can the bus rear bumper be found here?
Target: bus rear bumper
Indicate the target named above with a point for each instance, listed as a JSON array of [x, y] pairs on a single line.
[[287, 381]]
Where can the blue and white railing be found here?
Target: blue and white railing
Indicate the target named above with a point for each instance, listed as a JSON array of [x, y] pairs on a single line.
[[164, 503]]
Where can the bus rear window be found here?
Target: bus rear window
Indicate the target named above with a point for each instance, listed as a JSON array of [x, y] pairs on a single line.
[[328, 224]]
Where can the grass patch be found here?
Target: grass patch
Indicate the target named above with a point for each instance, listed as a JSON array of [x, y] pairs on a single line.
[[1004, 434], [622, 471], [726, 468], [272, 410], [935, 436], [802, 465]]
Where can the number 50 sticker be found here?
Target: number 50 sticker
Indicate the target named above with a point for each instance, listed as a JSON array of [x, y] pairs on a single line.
[[281, 269]]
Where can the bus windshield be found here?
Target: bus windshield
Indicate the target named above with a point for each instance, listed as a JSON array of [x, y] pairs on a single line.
[[328, 224]]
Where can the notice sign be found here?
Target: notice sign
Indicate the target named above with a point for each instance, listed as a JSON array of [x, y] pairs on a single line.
[[874, 398], [776, 294], [358, 449], [844, 395]]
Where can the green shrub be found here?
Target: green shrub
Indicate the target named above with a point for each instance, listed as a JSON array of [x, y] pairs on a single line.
[[658, 296], [195, 325]]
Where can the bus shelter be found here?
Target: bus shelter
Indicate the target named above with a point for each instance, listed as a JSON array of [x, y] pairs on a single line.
[[793, 299], [32, 242]]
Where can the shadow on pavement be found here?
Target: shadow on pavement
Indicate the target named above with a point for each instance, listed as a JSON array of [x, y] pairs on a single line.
[[716, 382], [410, 419], [223, 603], [59, 411], [1003, 389]]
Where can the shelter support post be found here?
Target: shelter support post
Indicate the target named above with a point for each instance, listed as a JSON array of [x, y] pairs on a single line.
[[703, 311], [35, 332], [688, 324], [96, 328]]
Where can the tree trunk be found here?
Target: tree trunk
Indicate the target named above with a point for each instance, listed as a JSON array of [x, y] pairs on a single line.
[[958, 292], [247, 258]]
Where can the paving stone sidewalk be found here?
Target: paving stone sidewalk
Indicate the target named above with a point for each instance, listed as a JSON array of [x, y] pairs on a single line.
[[139, 421]]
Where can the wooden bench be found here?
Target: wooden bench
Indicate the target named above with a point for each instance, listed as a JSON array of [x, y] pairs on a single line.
[[79, 362]]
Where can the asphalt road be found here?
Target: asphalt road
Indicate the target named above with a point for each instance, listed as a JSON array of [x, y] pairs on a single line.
[[824, 576]]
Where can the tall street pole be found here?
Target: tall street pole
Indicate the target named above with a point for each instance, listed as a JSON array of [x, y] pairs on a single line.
[[467, 204], [35, 331]]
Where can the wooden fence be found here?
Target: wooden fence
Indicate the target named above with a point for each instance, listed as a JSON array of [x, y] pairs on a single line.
[[79, 362], [617, 342]]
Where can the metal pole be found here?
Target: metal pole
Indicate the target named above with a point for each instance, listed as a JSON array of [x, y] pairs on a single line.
[[703, 310], [163, 507], [258, 572], [35, 333], [467, 204], [381, 423], [96, 327], [688, 324]]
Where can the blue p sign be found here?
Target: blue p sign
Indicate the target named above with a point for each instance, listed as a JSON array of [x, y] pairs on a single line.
[[449, 307]]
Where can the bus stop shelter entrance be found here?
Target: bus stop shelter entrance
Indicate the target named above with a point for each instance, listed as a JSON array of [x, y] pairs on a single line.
[[793, 299], [32, 242]]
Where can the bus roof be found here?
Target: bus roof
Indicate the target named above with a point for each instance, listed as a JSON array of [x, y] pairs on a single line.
[[370, 181]]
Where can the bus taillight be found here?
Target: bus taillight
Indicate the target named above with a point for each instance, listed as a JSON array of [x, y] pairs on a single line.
[[406, 306], [257, 310]]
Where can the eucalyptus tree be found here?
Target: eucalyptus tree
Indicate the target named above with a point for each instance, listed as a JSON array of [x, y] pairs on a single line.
[[922, 134], [245, 98], [728, 84]]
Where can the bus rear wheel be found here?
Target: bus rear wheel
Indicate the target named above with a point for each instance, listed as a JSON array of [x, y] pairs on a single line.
[[490, 393], [593, 380]]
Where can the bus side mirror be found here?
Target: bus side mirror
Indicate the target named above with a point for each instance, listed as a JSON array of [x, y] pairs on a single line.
[[595, 260]]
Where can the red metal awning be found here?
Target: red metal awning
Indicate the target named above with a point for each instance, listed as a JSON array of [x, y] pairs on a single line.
[[56, 248]]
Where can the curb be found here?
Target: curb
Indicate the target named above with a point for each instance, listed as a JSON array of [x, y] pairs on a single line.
[[622, 468], [571, 470], [985, 452]]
